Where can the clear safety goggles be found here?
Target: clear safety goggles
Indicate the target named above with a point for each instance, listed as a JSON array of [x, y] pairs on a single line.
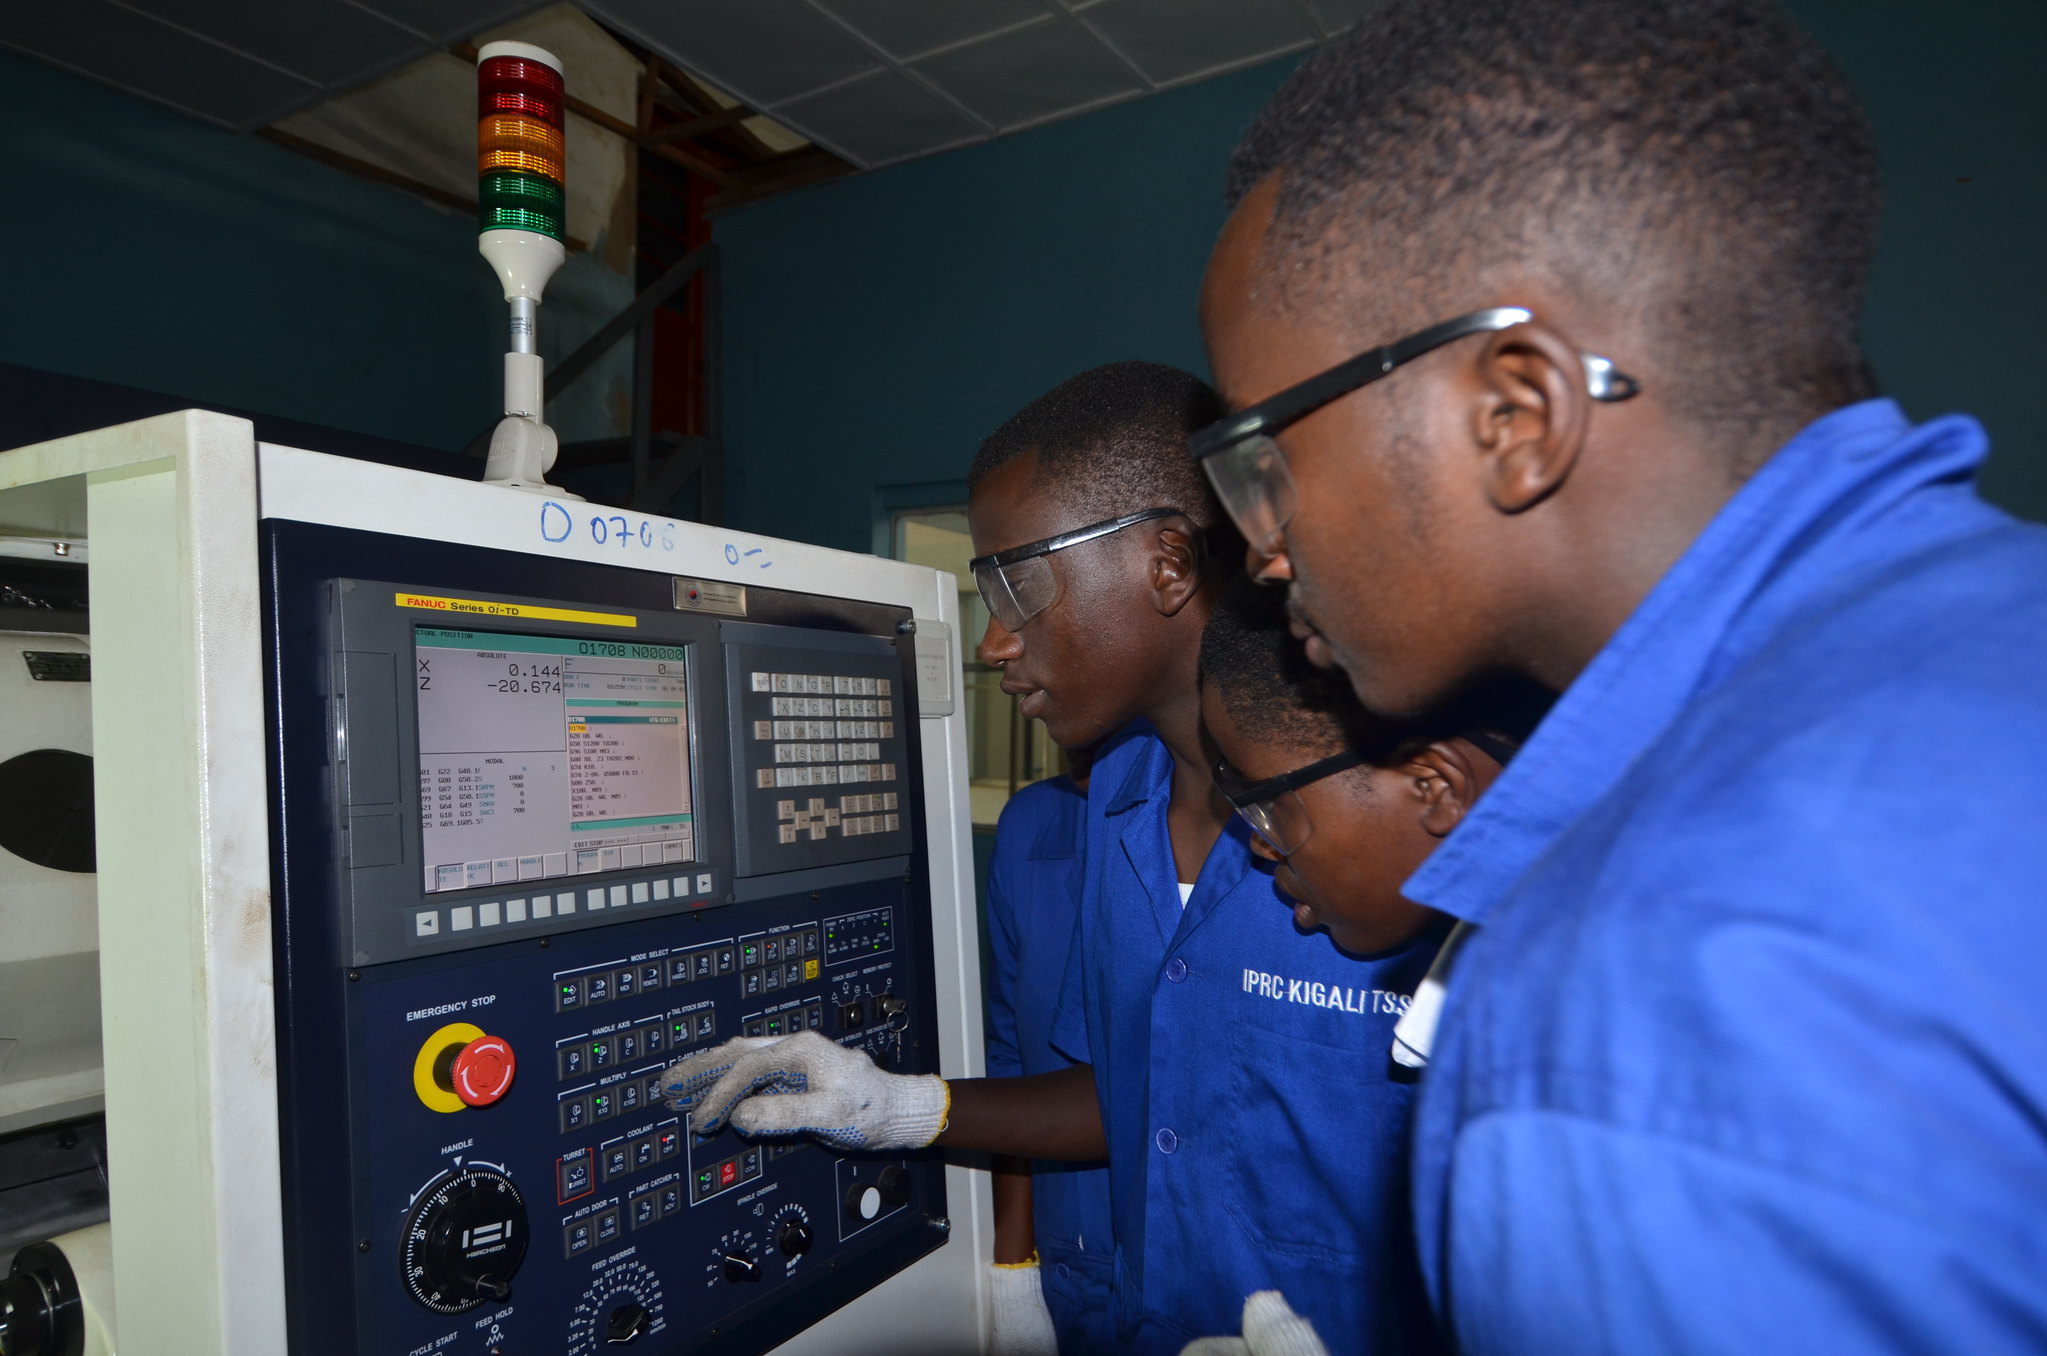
[[1247, 468], [1272, 807], [1019, 583]]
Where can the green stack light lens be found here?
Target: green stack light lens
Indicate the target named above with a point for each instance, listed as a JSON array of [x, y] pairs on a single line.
[[510, 200]]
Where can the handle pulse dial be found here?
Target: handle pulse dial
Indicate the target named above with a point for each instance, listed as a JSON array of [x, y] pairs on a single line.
[[465, 1236]]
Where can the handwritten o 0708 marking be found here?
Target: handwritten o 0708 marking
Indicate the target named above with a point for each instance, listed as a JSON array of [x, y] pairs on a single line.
[[731, 554], [557, 523], [560, 519]]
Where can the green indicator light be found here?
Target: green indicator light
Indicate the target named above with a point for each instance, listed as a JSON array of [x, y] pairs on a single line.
[[508, 200], [519, 219], [510, 188]]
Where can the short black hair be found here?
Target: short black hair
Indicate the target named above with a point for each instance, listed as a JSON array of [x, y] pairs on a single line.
[[1114, 441], [1274, 695], [1270, 690], [1702, 163]]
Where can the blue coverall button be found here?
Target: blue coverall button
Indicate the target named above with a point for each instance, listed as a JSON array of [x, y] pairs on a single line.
[[1166, 1140], [1176, 969]]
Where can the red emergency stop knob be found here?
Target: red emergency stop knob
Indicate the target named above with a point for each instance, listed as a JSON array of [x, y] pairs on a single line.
[[482, 1071]]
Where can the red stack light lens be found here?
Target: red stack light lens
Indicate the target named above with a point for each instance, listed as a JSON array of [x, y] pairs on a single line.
[[516, 85]]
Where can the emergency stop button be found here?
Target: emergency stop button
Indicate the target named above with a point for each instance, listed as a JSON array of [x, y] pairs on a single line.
[[482, 1070], [459, 1066]]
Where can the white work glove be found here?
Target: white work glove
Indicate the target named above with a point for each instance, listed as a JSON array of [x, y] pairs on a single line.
[[808, 1085], [1271, 1328], [1022, 1324]]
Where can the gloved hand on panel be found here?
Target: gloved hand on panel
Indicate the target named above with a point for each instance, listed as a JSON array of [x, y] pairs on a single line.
[[1021, 1324], [809, 1085], [1271, 1328]]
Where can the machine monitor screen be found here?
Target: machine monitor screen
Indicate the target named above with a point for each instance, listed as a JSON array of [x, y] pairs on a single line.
[[542, 757]]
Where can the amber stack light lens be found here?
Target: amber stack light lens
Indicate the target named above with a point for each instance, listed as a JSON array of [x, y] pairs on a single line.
[[519, 146]]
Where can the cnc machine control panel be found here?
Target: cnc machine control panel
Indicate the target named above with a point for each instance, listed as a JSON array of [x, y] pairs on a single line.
[[542, 833]]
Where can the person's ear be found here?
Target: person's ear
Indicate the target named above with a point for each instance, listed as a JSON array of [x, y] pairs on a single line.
[[1530, 416], [1446, 778], [1176, 567]]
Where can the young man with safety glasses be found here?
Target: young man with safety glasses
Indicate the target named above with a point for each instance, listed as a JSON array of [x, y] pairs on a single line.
[[1346, 807], [1745, 1051], [1218, 1048]]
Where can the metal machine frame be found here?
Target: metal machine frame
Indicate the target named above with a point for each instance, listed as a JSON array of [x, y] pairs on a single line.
[[172, 507]]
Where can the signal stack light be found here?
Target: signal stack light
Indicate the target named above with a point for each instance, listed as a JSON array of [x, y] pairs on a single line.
[[522, 208]]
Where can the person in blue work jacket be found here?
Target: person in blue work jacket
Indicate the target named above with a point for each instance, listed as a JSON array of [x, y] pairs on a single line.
[[1220, 1048], [1346, 806], [1747, 1048], [1053, 1264]]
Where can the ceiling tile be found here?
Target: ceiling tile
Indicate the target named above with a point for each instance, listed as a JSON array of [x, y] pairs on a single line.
[[448, 21], [907, 28], [881, 118], [1337, 15], [1178, 39], [762, 51], [1032, 74], [326, 41], [137, 53]]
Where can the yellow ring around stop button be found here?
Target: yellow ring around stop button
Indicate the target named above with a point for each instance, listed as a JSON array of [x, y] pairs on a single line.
[[436, 1097]]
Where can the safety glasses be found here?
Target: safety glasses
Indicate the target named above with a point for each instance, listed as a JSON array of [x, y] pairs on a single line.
[[1249, 471], [1272, 807], [1019, 583]]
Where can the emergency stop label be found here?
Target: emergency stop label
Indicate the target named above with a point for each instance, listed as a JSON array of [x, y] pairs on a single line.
[[1314, 993], [476, 607]]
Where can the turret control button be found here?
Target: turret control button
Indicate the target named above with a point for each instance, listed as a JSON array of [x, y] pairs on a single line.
[[483, 1070]]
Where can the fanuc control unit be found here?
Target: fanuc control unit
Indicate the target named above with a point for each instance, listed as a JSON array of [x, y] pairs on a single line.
[[542, 833]]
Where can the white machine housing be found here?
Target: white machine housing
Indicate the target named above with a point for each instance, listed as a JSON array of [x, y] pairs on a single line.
[[171, 508]]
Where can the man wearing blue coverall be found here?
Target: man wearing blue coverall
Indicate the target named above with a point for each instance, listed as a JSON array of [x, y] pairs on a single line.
[[1747, 1050], [1234, 1068]]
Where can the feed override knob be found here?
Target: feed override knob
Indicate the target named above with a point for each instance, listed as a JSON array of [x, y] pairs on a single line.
[[625, 1324]]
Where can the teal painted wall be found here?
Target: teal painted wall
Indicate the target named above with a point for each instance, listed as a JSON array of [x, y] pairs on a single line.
[[1955, 93], [150, 250], [879, 326]]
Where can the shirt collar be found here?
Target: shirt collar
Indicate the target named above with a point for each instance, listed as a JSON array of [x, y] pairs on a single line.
[[1661, 655], [1060, 815], [1149, 769]]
